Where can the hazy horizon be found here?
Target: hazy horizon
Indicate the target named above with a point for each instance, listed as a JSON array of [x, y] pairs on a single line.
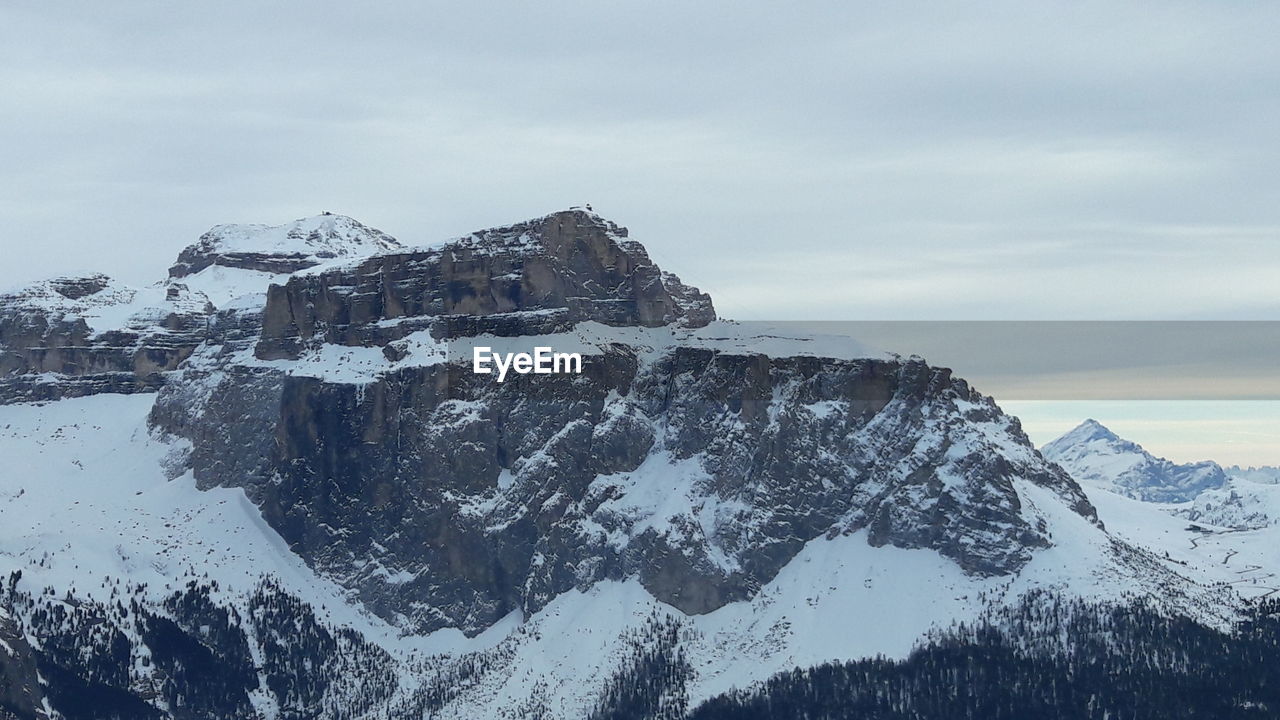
[[1230, 432]]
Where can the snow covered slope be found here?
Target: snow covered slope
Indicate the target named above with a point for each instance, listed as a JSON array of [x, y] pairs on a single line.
[[87, 510], [1245, 558]]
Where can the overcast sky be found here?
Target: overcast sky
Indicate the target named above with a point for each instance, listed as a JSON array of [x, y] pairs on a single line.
[[842, 160]]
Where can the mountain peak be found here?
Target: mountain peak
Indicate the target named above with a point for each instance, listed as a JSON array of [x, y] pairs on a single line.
[[1090, 432], [1094, 429], [532, 277], [1097, 456], [550, 231], [286, 248]]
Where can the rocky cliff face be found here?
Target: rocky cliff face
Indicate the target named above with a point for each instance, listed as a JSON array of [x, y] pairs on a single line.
[[79, 336], [70, 337], [530, 278], [701, 467], [449, 500]]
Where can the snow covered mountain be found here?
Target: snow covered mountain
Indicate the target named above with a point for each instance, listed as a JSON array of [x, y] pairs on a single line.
[[1266, 474], [313, 508], [77, 336], [1226, 534], [1242, 499], [1096, 456], [1240, 504], [233, 260]]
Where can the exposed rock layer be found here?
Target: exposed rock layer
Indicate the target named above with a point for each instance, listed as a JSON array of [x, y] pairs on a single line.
[[446, 499], [534, 277], [700, 472], [49, 350]]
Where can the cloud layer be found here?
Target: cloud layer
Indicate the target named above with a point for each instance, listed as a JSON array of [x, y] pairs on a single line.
[[825, 161]]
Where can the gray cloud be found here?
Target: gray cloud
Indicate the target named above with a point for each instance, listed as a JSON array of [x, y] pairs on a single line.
[[831, 160]]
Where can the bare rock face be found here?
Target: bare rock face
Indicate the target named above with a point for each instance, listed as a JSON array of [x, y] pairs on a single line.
[[79, 336], [20, 691], [445, 499], [539, 276]]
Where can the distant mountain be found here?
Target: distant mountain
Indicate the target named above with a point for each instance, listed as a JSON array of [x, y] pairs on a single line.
[[1240, 505], [1240, 499], [1096, 456], [1266, 474]]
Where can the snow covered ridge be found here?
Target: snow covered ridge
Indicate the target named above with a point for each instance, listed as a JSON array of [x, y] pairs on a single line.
[[282, 249], [68, 337], [1266, 474]]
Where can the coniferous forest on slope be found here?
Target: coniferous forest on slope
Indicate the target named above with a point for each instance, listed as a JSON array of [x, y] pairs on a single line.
[[1045, 659]]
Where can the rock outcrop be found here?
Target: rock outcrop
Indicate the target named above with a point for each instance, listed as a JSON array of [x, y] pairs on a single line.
[[700, 467], [535, 277], [79, 336]]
